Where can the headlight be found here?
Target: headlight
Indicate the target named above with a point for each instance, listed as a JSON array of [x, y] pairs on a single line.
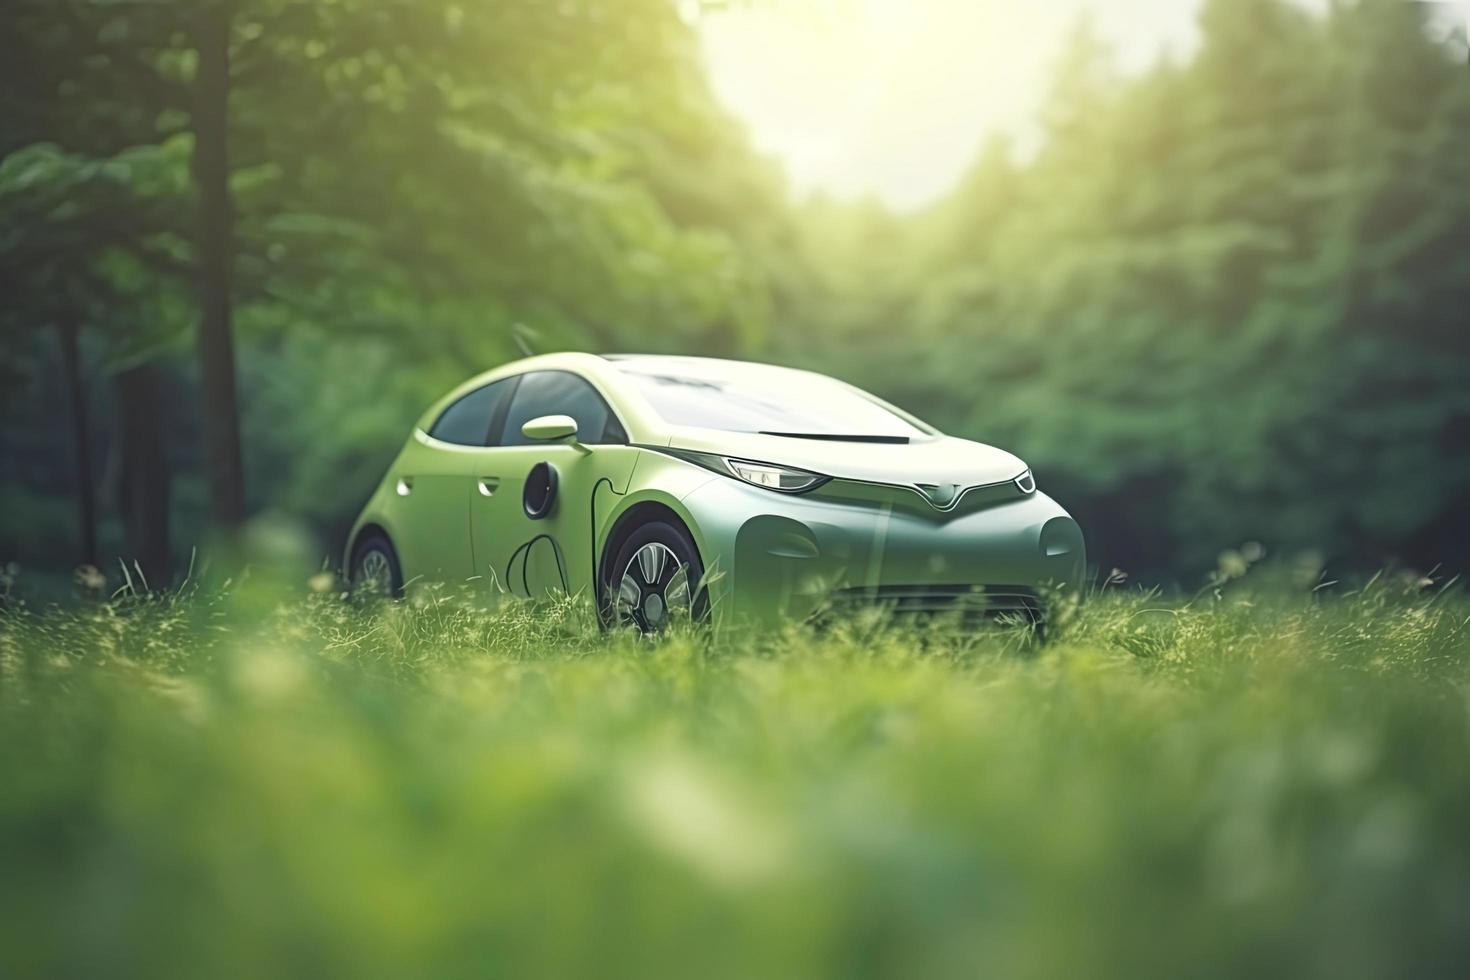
[[780, 478], [767, 476], [1026, 483]]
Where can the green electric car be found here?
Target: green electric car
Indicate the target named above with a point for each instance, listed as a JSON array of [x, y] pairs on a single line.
[[677, 488]]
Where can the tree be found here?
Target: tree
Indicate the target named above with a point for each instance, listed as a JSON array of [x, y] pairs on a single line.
[[76, 236], [1225, 299], [213, 27], [420, 178]]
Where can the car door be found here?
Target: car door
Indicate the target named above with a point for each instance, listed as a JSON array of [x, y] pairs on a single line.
[[433, 479], [550, 555]]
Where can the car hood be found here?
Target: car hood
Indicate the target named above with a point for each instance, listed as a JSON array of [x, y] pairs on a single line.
[[933, 460]]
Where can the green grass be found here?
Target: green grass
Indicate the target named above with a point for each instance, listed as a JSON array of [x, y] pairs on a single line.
[[239, 785]]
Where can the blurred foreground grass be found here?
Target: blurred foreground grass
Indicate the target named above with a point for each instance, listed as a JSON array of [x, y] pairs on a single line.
[[231, 786]]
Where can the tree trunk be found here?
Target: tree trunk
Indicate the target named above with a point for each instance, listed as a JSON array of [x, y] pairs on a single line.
[[71, 365], [220, 416], [143, 491]]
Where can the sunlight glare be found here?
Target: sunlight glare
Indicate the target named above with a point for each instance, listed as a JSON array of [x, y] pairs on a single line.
[[893, 97]]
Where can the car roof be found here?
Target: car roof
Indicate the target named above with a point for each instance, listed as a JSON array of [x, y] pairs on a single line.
[[640, 422], [608, 373], [606, 368], [706, 367]]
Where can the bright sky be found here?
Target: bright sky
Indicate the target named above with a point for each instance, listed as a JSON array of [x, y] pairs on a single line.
[[894, 97]]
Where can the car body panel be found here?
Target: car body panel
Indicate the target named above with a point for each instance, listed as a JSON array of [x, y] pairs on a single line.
[[424, 507], [786, 556], [934, 461], [554, 555], [933, 510]]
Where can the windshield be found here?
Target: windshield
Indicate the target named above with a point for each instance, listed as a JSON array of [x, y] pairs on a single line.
[[759, 398]]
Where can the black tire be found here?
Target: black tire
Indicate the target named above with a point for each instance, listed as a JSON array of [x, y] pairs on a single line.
[[375, 571], [653, 535]]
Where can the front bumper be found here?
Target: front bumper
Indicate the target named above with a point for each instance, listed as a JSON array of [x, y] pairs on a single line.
[[772, 555]]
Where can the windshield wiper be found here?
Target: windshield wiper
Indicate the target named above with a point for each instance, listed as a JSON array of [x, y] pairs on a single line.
[[829, 437]]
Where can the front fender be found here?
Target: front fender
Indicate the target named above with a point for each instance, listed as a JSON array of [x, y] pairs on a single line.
[[658, 479]]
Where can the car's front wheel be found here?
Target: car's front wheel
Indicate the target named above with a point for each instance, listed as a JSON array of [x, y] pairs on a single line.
[[375, 570], [654, 581]]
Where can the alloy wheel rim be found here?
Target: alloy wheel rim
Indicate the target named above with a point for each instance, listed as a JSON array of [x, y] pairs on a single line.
[[374, 576], [654, 589]]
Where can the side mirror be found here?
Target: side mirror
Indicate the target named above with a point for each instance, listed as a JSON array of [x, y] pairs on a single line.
[[550, 428]]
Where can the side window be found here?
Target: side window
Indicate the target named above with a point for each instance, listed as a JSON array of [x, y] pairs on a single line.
[[561, 393], [467, 422]]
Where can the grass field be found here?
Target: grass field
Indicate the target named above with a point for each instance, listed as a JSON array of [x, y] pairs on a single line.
[[1264, 782]]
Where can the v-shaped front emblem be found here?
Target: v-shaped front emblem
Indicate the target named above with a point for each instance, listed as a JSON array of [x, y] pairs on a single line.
[[940, 494]]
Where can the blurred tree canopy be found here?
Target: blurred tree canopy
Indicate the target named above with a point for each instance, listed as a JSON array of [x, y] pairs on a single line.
[[1225, 301], [1222, 301]]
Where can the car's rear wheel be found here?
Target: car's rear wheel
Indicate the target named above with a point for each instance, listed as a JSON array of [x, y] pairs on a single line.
[[654, 581], [375, 572]]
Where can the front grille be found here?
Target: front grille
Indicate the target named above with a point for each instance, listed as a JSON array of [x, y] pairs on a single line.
[[970, 603], [912, 501]]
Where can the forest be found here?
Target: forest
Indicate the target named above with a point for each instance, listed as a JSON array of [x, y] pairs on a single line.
[[1219, 305], [247, 242]]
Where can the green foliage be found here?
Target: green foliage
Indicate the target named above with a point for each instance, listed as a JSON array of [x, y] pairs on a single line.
[[1223, 300], [95, 240], [420, 191], [1220, 301], [239, 784]]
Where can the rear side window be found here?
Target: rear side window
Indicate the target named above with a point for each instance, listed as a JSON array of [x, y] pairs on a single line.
[[467, 422], [561, 393]]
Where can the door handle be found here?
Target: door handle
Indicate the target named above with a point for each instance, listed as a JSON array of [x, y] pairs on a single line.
[[404, 487], [487, 485]]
